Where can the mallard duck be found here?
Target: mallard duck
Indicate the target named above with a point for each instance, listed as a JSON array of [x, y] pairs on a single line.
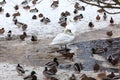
[[52, 63], [16, 7], [2, 30], [48, 74], [111, 75], [7, 15], [78, 67], [104, 16], [20, 70], [96, 67], [32, 76], [72, 77], [23, 36], [9, 35], [111, 21], [3, 2], [33, 38], [109, 33], [90, 24], [34, 17], [85, 77], [97, 17]]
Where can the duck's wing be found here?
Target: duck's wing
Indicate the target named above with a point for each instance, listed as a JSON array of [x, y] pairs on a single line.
[[62, 39], [20, 69], [51, 64]]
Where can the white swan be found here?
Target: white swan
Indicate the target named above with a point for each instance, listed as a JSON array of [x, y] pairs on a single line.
[[63, 38]]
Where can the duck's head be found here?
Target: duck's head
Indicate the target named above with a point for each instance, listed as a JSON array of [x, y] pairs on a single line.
[[46, 68], [33, 72], [18, 65], [55, 59]]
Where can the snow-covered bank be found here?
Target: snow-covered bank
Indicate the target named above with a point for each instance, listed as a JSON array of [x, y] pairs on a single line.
[[52, 28]]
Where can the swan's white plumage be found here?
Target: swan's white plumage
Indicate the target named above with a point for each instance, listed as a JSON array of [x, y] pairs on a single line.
[[66, 37], [62, 39]]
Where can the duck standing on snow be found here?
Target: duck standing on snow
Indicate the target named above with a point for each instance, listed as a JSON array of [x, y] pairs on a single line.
[[34, 38], [104, 16], [9, 35], [20, 70], [31, 77], [111, 21], [97, 17], [52, 63], [90, 24]]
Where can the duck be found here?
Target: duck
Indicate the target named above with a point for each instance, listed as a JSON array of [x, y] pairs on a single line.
[[34, 17], [23, 36], [96, 67], [111, 21], [34, 2], [53, 70], [75, 11], [45, 20], [40, 15], [1, 9], [35, 10], [67, 13], [48, 74], [16, 14], [53, 63], [3, 2], [33, 38], [78, 17], [32, 76], [24, 26], [111, 75], [16, 7], [97, 17], [110, 58], [85, 77], [26, 7], [7, 15], [20, 70], [64, 38], [2, 30], [78, 67], [68, 55], [109, 33], [90, 24], [9, 35], [104, 16], [55, 3], [73, 77], [25, 2]]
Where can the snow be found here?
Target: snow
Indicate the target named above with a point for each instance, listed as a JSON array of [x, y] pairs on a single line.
[[53, 28], [7, 71]]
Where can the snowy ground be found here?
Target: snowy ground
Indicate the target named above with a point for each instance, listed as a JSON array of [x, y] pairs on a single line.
[[53, 28], [50, 30]]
